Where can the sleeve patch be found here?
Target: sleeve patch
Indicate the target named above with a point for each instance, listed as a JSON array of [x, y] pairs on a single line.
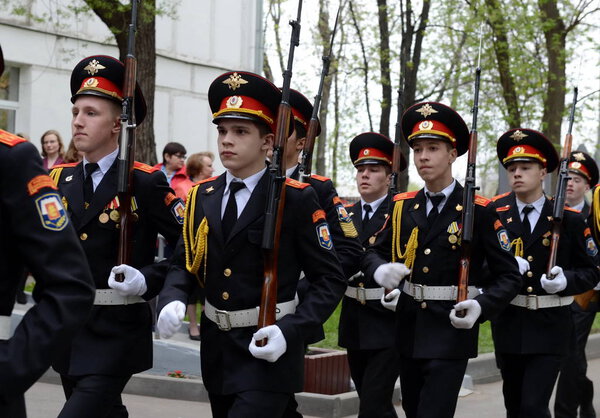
[[346, 223], [178, 211], [324, 236], [407, 195], [503, 208], [503, 239], [38, 183], [318, 215], [337, 200], [498, 225], [169, 198], [51, 211], [587, 232], [590, 247]]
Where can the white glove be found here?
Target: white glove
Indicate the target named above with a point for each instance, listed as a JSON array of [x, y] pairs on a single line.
[[134, 283], [597, 286], [472, 310], [557, 284], [523, 265], [390, 300], [275, 346], [170, 318], [389, 275]]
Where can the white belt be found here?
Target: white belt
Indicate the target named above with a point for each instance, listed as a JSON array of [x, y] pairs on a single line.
[[362, 295], [111, 297], [4, 327], [226, 320], [421, 292], [534, 302]]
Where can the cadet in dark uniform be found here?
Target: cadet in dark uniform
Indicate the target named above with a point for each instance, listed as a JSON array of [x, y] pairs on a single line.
[[222, 248], [366, 327], [35, 232], [116, 341], [574, 389], [534, 331], [422, 242]]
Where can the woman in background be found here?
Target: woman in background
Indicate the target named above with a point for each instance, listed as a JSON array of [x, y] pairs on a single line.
[[52, 149]]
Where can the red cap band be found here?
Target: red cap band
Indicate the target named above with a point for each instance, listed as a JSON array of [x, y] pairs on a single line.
[[433, 127], [580, 169], [246, 104], [524, 151], [373, 154], [102, 85]]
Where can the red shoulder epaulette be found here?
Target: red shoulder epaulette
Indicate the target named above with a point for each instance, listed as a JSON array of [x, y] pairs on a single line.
[[503, 208], [406, 195], [318, 177], [296, 184], [64, 165], [206, 180], [571, 209], [144, 167], [500, 196], [482, 201], [10, 139]]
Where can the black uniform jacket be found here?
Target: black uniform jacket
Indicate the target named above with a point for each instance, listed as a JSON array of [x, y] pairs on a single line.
[[369, 326], [36, 233], [117, 339], [234, 279], [522, 331], [423, 328]]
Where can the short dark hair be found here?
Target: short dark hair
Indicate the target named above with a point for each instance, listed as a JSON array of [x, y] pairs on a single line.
[[300, 130], [173, 148]]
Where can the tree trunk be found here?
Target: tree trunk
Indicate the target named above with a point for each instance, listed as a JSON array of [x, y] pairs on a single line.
[[384, 65], [365, 68]]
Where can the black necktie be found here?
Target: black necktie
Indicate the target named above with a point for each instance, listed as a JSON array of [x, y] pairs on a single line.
[[230, 215], [435, 199], [526, 223], [366, 209], [88, 184]]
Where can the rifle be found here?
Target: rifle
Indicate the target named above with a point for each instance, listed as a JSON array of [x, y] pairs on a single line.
[[397, 156], [127, 147], [468, 215], [561, 191], [305, 166], [276, 193]]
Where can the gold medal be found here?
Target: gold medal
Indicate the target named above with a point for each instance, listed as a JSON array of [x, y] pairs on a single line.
[[114, 215], [372, 240], [416, 206], [452, 239], [459, 207], [103, 218], [546, 242]]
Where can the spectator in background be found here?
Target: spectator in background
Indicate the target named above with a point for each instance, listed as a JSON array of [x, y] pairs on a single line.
[[72, 155], [173, 164], [199, 166], [52, 149]]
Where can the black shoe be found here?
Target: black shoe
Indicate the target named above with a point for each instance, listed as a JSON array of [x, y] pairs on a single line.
[[21, 298], [194, 337]]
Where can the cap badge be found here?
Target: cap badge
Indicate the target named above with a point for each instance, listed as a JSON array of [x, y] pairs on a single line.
[[576, 165], [518, 150], [234, 102], [93, 67], [425, 125], [426, 110], [579, 156], [365, 152], [518, 135], [235, 81], [91, 82]]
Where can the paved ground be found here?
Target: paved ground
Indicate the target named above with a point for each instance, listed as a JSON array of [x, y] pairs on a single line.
[[45, 400]]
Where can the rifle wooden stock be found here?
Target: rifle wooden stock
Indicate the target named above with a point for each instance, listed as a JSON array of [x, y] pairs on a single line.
[[126, 154], [561, 191]]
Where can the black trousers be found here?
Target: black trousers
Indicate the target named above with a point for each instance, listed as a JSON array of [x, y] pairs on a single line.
[[94, 396], [374, 373], [13, 409], [249, 404], [430, 386], [528, 380], [574, 390]]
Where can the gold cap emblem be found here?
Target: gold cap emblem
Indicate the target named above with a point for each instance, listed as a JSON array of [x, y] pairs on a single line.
[[576, 165], [425, 125], [91, 82], [93, 67], [579, 156], [365, 152], [426, 110], [235, 81], [234, 102], [518, 135], [518, 150]]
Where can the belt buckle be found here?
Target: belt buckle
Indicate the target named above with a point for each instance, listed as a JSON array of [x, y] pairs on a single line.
[[532, 302], [361, 295], [419, 292], [222, 320]]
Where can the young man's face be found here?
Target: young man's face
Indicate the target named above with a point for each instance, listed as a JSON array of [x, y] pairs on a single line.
[[372, 181], [433, 159], [95, 126], [576, 188], [241, 146], [525, 177]]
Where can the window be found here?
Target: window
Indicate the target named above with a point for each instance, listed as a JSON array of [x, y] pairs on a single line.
[[9, 98]]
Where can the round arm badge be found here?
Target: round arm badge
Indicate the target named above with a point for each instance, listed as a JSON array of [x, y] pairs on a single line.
[[323, 234]]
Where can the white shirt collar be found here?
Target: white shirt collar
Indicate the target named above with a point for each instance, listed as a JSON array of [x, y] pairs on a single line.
[[105, 162], [446, 191], [374, 204], [538, 205], [250, 181], [290, 171]]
